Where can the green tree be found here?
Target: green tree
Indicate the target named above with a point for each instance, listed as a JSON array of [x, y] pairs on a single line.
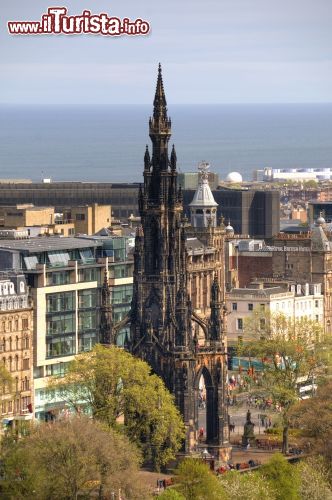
[[195, 481], [283, 477], [248, 486], [71, 458], [5, 380], [171, 494], [289, 351], [314, 479], [116, 386], [313, 417]]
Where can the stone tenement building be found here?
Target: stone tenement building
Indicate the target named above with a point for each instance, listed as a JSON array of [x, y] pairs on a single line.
[[306, 257], [16, 349], [163, 314]]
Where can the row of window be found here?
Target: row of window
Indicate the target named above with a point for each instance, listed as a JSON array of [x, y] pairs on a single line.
[[63, 277], [15, 406], [7, 344], [239, 323], [66, 323], [250, 307], [13, 363], [10, 303], [66, 345], [262, 323], [302, 305], [14, 325], [65, 301]]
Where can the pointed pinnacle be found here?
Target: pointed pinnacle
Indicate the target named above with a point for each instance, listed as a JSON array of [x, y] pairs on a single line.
[[159, 102]]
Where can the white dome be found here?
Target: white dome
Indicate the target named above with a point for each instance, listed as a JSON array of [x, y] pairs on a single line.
[[320, 221], [234, 177]]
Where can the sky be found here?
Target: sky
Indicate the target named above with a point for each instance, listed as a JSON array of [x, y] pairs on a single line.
[[212, 51]]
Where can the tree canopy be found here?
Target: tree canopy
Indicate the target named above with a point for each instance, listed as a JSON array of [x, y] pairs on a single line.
[[195, 481], [117, 387], [70, 458], [314, 418], [289, 351]]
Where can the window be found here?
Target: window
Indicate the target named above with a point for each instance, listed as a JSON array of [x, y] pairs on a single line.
[[240, 324], [58, 278], [80, 217], [250, 307], [87, 320], [25, 323], [120, 271], [86, 341], [60, 346], [234, 306], [86, 254], [316, 303], [26, 364], [56, 369], [122, 294], [25, 384], [262, 323], [57, 258], [60, 323], [26, 343], [87, 298], [87, 274], [30, 262], [262, 307], [60, 302]]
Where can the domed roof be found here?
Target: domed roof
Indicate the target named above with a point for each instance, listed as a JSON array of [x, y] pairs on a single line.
[[320, 221], [229, 229], [234, 177], [203, 196]]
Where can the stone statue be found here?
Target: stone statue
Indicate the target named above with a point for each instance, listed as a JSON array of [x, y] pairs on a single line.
[[248, 436]]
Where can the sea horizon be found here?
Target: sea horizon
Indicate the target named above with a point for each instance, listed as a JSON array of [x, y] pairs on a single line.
[[106, 143]]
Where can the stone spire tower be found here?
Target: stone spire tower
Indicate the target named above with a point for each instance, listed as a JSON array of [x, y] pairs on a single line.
[[160, 256], [161, 315]]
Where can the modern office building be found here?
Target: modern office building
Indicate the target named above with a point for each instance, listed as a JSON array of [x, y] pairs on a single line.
[[62, 195], [251, 212], [189, 180], [254, 213], [65, 276]]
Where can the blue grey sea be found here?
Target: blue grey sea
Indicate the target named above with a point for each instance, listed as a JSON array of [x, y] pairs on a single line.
[[107, 143]]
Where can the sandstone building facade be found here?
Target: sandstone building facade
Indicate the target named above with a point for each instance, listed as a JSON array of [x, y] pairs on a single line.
[[16, 351]]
